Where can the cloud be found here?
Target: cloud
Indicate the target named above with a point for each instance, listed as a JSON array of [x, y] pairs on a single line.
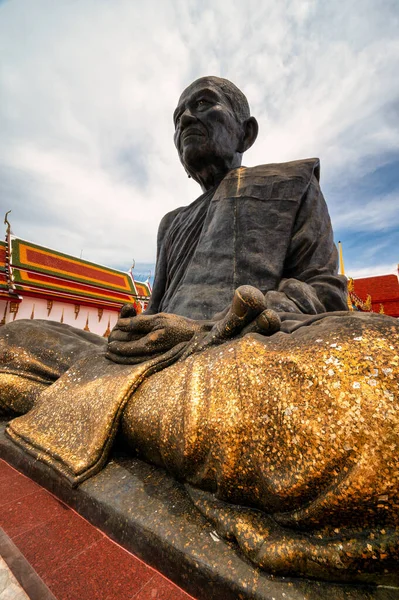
[[379, 269], [88, 90], [375, 214]]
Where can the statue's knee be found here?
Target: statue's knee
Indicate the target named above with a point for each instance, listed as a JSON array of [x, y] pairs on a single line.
[[18, 394]]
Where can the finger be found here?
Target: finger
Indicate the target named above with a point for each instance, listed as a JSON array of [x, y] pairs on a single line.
[[303, 295], [195, 344], [267, 323], [279, 302], [154, 342], [117, 335], [139, 324], [128, 310], [248, 302]]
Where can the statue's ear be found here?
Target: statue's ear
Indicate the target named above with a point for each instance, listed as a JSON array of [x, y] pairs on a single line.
[[250, 134]]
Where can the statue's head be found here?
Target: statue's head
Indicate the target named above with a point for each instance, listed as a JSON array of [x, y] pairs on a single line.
[[213, 127]]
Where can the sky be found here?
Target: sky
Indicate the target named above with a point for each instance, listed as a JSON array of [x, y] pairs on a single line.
[[88, 88]]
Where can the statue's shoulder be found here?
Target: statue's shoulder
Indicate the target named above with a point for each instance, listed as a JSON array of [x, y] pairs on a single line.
[[299, 169], [166, 222], [170, 216], [280, 181]]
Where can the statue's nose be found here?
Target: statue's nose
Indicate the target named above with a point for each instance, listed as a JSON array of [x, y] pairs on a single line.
[[186, 118]]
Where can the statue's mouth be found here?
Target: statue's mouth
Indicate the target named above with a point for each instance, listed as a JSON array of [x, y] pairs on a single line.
[[191, 132]]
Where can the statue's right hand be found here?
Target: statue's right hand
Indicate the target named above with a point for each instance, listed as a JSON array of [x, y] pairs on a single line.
[[137, 338]]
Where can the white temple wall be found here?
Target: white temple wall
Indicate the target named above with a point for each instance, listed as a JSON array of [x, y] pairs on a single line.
[[39, 308]]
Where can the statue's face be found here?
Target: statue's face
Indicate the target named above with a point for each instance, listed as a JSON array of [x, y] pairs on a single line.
[[206, 128]]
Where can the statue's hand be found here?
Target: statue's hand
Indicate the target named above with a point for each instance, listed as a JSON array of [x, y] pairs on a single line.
[[136, 339], [248, 313], [279, 302], [294, 296]]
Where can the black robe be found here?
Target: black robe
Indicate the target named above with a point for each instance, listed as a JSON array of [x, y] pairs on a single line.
[[261, 226]]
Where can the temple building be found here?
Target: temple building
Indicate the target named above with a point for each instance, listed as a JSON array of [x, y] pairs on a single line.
[[376, 294], [379, 294], [40, 283]]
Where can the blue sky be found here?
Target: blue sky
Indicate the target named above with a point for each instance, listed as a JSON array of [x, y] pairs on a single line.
[[88, 88]]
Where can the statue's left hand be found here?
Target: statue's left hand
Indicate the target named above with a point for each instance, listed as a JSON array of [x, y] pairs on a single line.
[[294, 296], [135, 339]]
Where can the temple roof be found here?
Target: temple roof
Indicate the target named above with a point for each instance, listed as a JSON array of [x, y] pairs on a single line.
[[36, 270]]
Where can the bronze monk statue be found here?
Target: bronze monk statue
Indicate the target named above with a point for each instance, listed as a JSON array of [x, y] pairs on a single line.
[[247, 377], [267, 227]]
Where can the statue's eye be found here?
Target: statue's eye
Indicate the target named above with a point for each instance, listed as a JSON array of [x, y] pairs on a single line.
[[202, 103]]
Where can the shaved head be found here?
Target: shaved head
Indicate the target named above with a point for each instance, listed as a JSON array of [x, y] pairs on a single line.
[[231, 92], [213, 128]]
